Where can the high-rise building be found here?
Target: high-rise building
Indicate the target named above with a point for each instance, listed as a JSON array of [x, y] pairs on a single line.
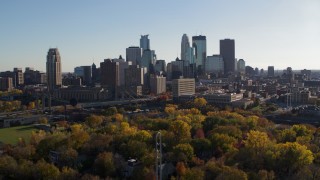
[[199, 43], [122, 66], [54, 75], [148, 59], [134, 54], [6, 84], [85, 72], [241, 66], [183, 87], [187, 52], [134, 76], [214, 64], [270, 71], [227, 51], [157, 84], [18, 76], [110, 76], [144, 42], [95, 74], [160, 66]]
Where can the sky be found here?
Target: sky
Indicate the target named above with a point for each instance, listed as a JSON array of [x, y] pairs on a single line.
[[281, 33]]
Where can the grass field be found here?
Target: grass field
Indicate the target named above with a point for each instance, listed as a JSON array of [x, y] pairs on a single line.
[[11, 135]]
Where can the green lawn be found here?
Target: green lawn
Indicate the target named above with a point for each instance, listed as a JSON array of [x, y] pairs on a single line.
[[11, 135]]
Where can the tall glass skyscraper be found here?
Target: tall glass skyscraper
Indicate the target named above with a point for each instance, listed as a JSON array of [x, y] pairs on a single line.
[[227, 51], [199, 43], [54, 75], [144, 42], [187, 52]]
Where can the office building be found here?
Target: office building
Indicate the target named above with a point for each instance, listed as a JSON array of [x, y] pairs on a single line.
[[134, 76], [157, 84], [19, 80], [85, 73], [144, 42], [227, 51], [134, 54], [160, 66], [270, 71], [214, 64], [241, 66], [54, 75], [6, 84], [187, 52], [183, 87], [148, 59], [110, 78], [33, 77], [199, 43], [122, 66]]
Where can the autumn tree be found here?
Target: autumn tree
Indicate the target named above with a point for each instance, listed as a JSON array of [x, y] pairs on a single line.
[[183, 152], [291, 157], [181, 130], [104, 165], [200, 102], [94, 121], [44, 170]]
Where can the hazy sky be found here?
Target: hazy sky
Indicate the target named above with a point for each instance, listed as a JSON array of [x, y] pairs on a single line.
[[267, 32]]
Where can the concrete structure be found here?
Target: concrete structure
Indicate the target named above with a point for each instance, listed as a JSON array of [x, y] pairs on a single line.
[[134, 54], [18, 76], [82, 94], [144, 42], [222, 98], [134, 76], [182, 87], [6, 84], [270, 71], [54, 75], [32, 77], [158, 84], [214, 64], [110, 78], [199, 43], [227, 51], [122, 66]]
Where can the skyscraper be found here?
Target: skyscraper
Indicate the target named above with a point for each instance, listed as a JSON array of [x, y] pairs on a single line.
[[227, 51], [54, 75], [144, 42], [214, 64], [134, 55], [200, 45], [187, 52], [241, 64], [270, 71]]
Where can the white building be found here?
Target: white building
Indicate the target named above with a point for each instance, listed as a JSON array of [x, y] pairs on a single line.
[[183, 87]]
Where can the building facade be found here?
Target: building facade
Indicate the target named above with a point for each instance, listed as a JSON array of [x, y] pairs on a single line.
[[157, 84], [199, 43], [183, 87], [227, 51], [134, 54], [54, 75], [214, 64]]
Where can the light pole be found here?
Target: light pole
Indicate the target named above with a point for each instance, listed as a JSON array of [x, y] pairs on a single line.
[[158, 156]]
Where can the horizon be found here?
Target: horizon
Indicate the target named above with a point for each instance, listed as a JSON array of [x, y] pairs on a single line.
[[273, 33]]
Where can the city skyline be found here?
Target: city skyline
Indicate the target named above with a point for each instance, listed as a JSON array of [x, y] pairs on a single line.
[[273, 33]]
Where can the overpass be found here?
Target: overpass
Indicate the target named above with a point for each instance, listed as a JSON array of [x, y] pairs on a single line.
[[113, 103]]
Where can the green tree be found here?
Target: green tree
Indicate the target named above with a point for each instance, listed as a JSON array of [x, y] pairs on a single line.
[[222, 143], [292, 157], [181, 130], [183, 152]]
